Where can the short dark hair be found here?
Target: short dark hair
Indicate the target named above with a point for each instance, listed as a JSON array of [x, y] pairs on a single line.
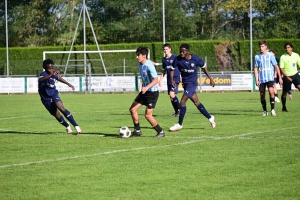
[[185, 46], [166, 45], [47, 62], [262, 42], [143, 51], [288, 43]]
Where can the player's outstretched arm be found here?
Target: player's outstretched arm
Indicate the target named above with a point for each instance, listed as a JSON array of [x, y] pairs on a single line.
[[212, 82], [60, 79]]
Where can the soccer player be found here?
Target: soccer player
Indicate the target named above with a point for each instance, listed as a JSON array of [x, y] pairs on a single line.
[[167, 65], [50, 98], [188, 65], [264, 76], [148, 95], [276, 79], [288, 66]]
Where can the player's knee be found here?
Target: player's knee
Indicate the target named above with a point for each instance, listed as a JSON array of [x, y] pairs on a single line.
[[148, 116]]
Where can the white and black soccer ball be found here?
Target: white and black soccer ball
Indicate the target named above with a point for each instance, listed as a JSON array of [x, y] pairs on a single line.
[[124, 132]]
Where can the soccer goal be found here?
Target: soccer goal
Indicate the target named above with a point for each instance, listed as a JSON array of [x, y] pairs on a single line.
[[75, 63]]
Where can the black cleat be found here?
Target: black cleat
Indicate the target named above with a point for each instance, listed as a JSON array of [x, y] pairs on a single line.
[[176, 114], [284, 110], [136, 133], [160, 135]]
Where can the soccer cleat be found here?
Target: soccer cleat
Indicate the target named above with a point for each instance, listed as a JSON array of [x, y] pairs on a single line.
[[273, 113], [78, 130], [277, 100], [212, 121], [265, 113], [284, 109], [176, 114], [291, 96], [136, 133], [160, 135], [69, 130], [176, 127]]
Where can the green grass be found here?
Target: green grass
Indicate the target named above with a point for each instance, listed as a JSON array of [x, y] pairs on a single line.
[[246, 156]]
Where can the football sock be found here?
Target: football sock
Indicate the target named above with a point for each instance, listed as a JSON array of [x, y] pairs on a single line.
[[137, 126], [181, 115], [272, 100], [276, 95], [264, 105], [69, 116], [63, 121], [283, 101], [158, 128], [175, 104], [204, 112]]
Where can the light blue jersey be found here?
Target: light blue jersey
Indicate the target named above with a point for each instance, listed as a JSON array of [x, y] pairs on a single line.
[[265, 64], [148, 73]]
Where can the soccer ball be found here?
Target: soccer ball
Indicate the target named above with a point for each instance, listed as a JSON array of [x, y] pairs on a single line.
[[124, 132]]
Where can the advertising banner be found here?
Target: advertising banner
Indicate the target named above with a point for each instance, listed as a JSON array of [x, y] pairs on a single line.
[[12, 85]]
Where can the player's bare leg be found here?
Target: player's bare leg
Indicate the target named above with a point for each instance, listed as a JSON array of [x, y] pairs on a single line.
[[135, 118]]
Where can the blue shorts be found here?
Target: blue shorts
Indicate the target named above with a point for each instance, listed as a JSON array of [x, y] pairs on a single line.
[[189, 90], [172, 89], [50, 105]]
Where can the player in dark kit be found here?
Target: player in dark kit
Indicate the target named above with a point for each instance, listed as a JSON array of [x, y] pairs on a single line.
[[167, 62], [50, 98], [188, 66]]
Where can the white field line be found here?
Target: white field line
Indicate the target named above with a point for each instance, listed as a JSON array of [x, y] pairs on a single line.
[[200, 139], [18, 117]]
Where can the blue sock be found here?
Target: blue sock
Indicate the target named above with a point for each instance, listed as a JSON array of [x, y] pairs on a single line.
[[69, 116], [62, 121], [204, 112], [181, 115], [175, 104]]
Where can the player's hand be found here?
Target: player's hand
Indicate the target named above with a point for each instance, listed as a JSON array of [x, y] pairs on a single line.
[[71, 86], [212, 82], [159, 83], [280, 82], [57, 72], [144, 90], [257, 83], [289, 79], [173, 84]]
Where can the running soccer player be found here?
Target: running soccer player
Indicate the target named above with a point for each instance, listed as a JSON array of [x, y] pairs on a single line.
[[167, 62], [188, 65], [264, 76], [50, 98], [288, 66], [148, 95]]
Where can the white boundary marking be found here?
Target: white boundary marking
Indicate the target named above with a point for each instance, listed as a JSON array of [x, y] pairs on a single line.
[[199, 139]]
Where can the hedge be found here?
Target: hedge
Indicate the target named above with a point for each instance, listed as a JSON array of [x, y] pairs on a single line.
[[220, 56]]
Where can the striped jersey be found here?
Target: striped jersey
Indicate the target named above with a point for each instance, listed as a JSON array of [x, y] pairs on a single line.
[[148, 73], [265, 64]]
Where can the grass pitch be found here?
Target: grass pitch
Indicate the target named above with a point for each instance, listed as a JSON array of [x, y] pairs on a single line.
[[246, 156]]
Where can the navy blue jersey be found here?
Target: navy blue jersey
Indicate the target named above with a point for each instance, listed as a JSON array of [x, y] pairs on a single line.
[[189, 68], [47, 89], [167, 66]]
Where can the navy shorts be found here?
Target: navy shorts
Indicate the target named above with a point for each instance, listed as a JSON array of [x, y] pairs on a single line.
[[148, 99], [50, 105], [287, 85], [172, 89], [189, 90], [262, 86]]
